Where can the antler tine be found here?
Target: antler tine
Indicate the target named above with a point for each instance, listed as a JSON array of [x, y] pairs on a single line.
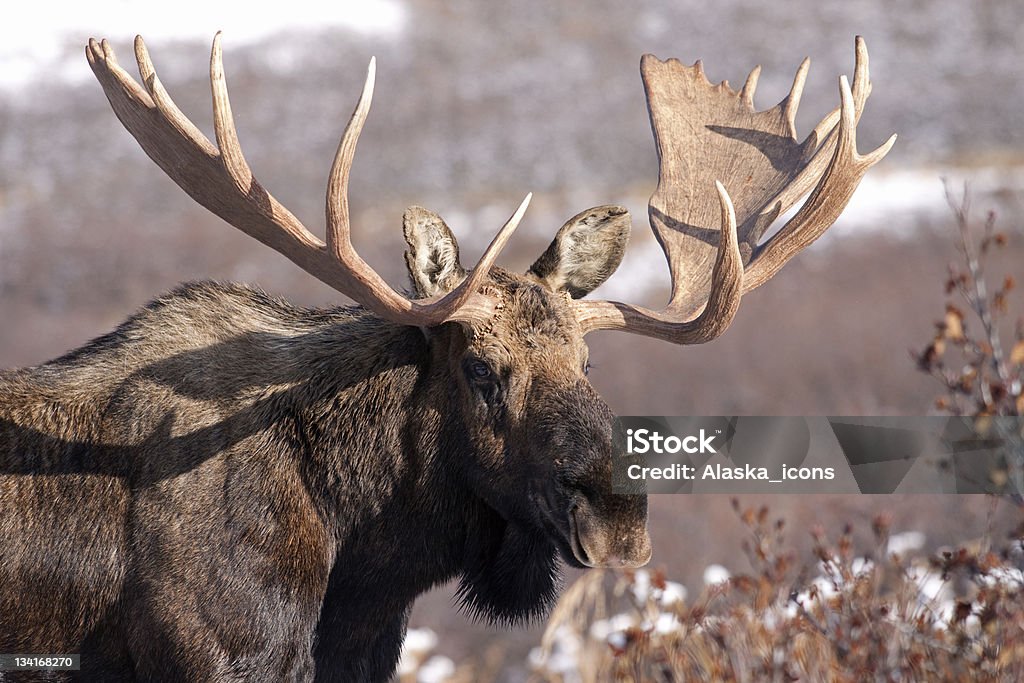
[[792, 101], [224, 122], [471, 284], [219, 178], [339, 240], [861, 90], [162, 100], [747, 93], [826, 202]]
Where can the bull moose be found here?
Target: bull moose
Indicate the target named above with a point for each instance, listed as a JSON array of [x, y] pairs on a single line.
[[230, 487]]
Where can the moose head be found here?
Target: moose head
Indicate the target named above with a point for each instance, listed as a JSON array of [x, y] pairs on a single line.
[[536, 425]]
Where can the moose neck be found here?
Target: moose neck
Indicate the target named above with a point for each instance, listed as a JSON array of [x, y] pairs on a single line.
[[378, 424]]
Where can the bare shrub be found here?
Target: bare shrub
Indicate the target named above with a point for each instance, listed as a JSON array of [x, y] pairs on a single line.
[[885, 615], [967, 354]]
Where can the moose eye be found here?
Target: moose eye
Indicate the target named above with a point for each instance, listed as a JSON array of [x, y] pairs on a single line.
[[479, 370]]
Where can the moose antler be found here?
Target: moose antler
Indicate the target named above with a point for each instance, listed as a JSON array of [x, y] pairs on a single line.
[[219, 178], [710, 134]]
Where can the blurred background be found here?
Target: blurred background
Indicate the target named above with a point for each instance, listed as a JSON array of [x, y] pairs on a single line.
[[478, 103]]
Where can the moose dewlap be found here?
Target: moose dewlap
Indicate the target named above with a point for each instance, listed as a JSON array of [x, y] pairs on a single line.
[[228, 486]]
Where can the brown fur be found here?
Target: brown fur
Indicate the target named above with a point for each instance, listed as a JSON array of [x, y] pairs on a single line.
[[230, 487]]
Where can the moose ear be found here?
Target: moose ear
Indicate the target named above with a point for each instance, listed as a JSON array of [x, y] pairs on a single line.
[[585, 252], [433, 254]]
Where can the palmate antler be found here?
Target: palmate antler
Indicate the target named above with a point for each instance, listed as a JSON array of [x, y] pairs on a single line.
[[219, 178], [709, 136]]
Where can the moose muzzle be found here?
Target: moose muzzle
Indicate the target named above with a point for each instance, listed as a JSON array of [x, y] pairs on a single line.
[[615, 536]]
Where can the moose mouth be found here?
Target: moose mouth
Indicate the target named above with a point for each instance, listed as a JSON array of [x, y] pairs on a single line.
[[579, 551], [583, 539], [566, 534]]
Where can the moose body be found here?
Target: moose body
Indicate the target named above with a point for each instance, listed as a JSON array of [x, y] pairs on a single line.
[[228, 487]]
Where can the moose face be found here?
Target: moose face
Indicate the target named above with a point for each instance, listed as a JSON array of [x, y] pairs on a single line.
[[540, 433]]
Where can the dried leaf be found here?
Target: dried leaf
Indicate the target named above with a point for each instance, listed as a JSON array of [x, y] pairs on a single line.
[[1017, 354], [963, 610], [931, 355], [966, 382], [953, 324], [982, 425], [881, 524], [659, 578], [999, 478]]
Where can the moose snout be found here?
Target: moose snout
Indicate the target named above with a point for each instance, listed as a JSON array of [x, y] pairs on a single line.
[[637, 553], [617, 540]]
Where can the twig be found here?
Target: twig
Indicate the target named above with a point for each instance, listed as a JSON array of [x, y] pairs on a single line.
[[978, 299]]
